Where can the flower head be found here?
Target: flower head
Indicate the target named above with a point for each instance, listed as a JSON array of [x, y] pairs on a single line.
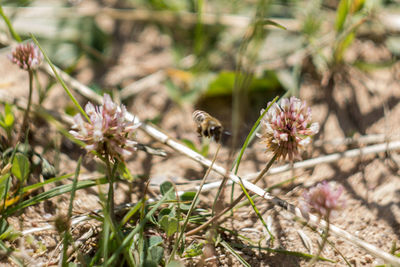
[[287, 128], [324, 198], [26, 56], [108, 132]]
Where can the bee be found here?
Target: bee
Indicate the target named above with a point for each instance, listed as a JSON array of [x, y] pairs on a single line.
[[207, 125]]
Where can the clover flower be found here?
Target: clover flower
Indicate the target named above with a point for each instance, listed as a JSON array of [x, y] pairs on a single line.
[[324, 198], [27, 56], [108, 132], [287, 128]]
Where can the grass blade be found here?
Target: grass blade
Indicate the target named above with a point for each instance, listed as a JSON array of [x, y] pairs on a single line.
[[234, 253], [9, 26], [71, 204], [59, 190], [129, 237], [60, 80]]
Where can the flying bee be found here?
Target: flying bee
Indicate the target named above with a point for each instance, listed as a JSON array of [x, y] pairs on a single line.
[[207, 125]]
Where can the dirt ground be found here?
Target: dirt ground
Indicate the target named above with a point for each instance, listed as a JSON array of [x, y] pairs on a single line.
[[357, 104]]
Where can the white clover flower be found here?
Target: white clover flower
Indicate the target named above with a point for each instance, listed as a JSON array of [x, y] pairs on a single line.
[[108, 132], [287, 128]]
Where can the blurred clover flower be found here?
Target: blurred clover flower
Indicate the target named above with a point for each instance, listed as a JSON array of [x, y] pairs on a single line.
[[324, 198], [286, 128], [108, 132], [27, 56]]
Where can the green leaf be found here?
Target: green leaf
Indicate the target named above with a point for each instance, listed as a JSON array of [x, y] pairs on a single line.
[[204, 150], [155, 240], [273, 23], [3, 184], [59, 190], [124, 170], [190, 144], [224, 83], [193, 250], [128, 239], [341, 14], [7, 232], [150, 263], [163, 212], [169, 225], [165, 187], [175, 264], [20, 167], [48, 170], [343, 45], [187, 197], [9, 118], [156, 253]]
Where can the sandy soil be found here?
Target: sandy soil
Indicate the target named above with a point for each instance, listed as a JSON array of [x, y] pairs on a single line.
[[358, 104]]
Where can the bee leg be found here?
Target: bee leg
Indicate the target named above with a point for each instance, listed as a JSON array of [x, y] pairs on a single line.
[[199, 131]]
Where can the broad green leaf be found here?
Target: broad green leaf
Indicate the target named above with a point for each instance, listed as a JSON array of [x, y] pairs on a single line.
[[165, 187], [341, 14], [20, 167], [163, 212], [187, 197], [156, 253], [155, 240], [169, 225]]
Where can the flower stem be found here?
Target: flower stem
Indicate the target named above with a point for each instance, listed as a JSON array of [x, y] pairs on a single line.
[[324, 240], [234, 203], [27, 110], [192, 206], [110, 198]]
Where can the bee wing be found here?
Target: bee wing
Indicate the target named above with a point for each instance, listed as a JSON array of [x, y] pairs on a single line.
[[199, 116]]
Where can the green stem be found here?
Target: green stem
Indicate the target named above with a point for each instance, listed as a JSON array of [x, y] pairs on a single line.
[[110, 198], [192, 206], [234, 203], [28, 107], [9, 26], [324, 240]]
